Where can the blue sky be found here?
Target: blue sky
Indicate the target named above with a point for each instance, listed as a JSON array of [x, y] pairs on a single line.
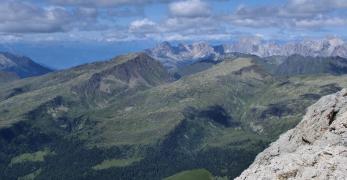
[[114, 24]]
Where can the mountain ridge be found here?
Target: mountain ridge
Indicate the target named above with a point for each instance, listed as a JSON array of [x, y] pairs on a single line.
[[22, 66], [90, 83]]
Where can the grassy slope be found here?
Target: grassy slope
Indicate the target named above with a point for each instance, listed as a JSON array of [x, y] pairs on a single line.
[[151, 114], [6, 77], [23, 96], [38, 156], [199, 174]]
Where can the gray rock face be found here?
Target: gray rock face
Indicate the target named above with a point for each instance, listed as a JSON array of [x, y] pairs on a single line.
[[319, 47], [315, 149]]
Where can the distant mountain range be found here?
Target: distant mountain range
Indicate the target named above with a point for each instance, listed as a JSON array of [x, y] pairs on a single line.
[[175, 56], [20, 66]]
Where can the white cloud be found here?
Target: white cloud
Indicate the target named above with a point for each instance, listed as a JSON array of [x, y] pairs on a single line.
[[295, 14], [197, 24], [316, 5], [126, 11], [106, 3], [17, 17], [25, 17], [178, 28], [190, 8], [311, 23], [142, 26], [9, 38], [113, 20], [87, 12]]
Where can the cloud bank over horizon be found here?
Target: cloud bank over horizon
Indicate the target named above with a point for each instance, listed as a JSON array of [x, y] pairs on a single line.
[[168, 20]]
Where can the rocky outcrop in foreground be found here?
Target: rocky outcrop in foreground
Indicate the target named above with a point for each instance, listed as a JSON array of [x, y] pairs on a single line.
[[315, 149]]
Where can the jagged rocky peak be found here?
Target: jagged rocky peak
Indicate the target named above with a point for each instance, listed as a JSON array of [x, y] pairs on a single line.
[[163, 48], [201, 50], [165, 45], [315, 149], [334, 41], [196, 49]]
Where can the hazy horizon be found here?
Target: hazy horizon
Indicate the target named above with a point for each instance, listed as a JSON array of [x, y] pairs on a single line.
[[65, 33]]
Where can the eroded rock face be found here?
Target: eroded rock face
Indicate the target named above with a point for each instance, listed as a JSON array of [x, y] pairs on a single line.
[[315, 149]]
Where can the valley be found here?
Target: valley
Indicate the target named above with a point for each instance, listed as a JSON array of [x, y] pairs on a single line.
[[129, 118]]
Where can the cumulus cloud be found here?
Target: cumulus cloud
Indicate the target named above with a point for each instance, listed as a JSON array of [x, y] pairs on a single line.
[[143, 26], [318, 14], [315, 6], [190, 8], [19, 17], [121, 20], [321, 22], [191, 24], [193, 19], [179, 28], [106, 3], [85, 12], [22, 17], [99, 18], [127, 11]]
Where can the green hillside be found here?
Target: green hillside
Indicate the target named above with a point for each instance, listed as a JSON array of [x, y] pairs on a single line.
[[128, 119], [6, 77], [199, 174]]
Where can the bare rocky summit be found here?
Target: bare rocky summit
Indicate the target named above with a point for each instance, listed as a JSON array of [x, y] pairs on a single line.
[[315, 149]]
